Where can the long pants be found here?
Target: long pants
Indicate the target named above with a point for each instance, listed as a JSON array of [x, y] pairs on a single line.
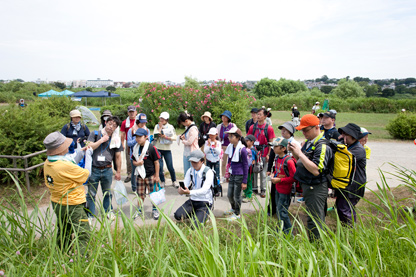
[[128, 163], [248, 192], [186, 165], [224, 161], [198, 210], [105, 177], [234, 192], [272, 210], [282, 208], [346, 208], [133, 180], [71, 219], [315, 200], [263, 176], [167, 155], [214, 166]]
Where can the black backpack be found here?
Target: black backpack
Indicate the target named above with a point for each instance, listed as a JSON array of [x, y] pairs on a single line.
[[216, 184]]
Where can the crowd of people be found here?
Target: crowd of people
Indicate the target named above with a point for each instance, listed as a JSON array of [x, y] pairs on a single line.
[[249, 164]]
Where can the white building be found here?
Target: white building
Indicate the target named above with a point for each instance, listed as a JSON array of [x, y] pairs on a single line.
[[99, 83], [79, 83]]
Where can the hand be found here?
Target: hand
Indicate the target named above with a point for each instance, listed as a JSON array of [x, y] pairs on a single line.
[[118, 176], [182, 191], [243, 186], [156, 179], [105, 138], [275, 180], [294, 149], [268, 173], [267, 158], [182, 137]]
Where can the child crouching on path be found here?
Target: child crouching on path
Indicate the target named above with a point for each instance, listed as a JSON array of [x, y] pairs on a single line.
[[251, 158], [237, 157], [283, 180]]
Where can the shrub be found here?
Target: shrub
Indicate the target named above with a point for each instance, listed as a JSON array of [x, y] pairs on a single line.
[[22, 130], [403, 126], [214, 98]]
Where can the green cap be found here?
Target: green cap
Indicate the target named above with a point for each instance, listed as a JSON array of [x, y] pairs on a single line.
[[279, 142]]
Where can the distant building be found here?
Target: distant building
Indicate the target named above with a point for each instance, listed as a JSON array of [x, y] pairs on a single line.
[[99, 83], [79, 83]]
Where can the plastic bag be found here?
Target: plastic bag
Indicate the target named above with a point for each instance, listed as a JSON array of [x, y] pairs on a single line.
[[120, 193], [158, 197]]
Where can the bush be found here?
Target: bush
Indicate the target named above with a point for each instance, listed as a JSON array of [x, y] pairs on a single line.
[[403, 126], [214, 98], [22, 130]]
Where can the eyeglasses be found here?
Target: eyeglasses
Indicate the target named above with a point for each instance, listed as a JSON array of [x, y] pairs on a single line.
[[307, 129]]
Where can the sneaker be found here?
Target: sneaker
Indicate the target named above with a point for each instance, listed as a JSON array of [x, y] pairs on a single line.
[[263, 194], [233, 217], [175, 185], [229, 212], [133, 192], [162, 184], [301, 200], [111, 216], [90, 219], [137, 213], [247, 199], [255, 191], [155, 214], [128, 179]]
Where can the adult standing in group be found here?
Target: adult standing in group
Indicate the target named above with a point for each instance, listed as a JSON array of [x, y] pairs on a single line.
[[125, 126], [264, 134], [107, 147], [141, 121], [328, 121], [348, 198], [164, 134], [315, 108], [252, 120], [313, 161], [75, 129], [205, 126], [222, 128], [106, 114], [189, 138]]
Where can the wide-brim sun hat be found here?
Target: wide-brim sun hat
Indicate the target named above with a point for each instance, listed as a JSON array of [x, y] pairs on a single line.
[[207, 114], [288, 126], [351, 129], [75, 113], [55, 143], [227, 114]]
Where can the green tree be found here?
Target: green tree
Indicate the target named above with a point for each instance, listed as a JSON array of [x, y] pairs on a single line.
[[268, 87], [326, 89], [110, 89], [388, 92], [88, 89], [60, 85], [191, 82], [347, 89], [371, 91], [20, 80]]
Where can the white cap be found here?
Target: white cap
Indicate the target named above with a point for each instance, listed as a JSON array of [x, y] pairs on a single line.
[[213, 131], [233, 130], [164, 115], [403, 110]]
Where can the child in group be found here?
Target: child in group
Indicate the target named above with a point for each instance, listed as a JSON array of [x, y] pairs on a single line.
[[212, 150], [146, 160], [251, 156], [364, 140], [283, 180], [237, 157]]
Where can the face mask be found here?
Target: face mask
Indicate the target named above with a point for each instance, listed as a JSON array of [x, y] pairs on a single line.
[[105, 118]]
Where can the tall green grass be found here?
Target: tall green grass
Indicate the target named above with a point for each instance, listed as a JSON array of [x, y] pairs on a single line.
[[382, 243]]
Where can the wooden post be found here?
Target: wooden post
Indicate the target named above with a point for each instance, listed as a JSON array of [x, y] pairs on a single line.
[[15, 165]]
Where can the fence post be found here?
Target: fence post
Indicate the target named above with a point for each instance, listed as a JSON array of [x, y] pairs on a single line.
[[15, 165], [27, 176]]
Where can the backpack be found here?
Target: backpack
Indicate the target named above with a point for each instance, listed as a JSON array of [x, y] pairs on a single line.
[[342, 170], [216, 187], [296, 188], [258, 164], [261, 147]]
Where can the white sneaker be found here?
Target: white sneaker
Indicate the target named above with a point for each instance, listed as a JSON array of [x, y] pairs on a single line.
[[229, 212], [111, 216], [175, 185], [233, 217], [155, 214], [90, 221], [162, 184], [137, 214]]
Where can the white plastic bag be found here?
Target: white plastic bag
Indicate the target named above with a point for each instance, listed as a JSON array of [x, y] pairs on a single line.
[[120, 193], [158, 197]]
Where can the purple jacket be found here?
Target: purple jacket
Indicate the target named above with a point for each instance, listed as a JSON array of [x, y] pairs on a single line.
[[240, 168]]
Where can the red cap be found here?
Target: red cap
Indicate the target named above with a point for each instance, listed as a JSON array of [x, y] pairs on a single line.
[[308, 120]]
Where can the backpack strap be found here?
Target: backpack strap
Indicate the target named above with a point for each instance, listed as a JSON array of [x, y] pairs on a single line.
[[264, 130], [285, 166]]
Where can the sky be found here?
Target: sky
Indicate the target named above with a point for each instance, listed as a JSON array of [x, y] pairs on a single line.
[[208, 40]]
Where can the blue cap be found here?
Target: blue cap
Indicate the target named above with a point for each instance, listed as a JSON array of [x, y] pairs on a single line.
[[142, 118], [227, 114], [141, 132]]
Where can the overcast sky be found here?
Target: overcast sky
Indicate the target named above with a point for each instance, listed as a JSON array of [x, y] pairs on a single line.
[[237, 40]]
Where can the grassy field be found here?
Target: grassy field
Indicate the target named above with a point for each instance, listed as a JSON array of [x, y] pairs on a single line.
[[382, 243], [373, 122]]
